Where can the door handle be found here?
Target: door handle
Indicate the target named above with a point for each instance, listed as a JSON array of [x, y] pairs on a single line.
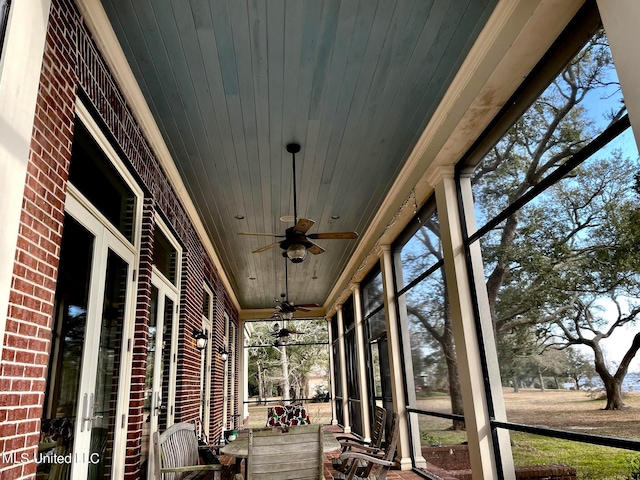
[[87, 411], [84, 412], [158, 408]]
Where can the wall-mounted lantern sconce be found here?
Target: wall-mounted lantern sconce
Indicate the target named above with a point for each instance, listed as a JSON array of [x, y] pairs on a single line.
[[224, 355], [201, 338]]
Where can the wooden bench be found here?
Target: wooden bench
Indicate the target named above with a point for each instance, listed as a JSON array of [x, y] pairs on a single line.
[[177, 457]]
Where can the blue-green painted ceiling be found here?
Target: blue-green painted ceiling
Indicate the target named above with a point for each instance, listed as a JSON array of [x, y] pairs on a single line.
[[230, 83]]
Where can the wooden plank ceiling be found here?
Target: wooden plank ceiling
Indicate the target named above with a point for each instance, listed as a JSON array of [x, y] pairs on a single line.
[[230, 83]]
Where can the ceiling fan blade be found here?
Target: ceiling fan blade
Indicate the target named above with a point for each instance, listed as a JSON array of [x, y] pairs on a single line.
[[303, 225], [308, 305], [334, 235], [268, 247], [315, 249], [261, 234], [302, 309]]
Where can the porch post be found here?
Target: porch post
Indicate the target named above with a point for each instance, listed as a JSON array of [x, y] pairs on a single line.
[[362, 367], [477, 411], [242, 355], [332, 373], [343, 372], [395, 357], [410, 384], [620, 20], [20, 68]]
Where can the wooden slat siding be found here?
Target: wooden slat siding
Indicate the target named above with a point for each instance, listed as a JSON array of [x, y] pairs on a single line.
[[292, 455]]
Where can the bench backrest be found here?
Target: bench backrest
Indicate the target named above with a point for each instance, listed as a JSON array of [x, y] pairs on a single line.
[[293, 453], [175, 447]]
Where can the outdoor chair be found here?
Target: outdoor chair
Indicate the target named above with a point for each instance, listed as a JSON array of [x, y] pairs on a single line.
[[349, 443], [289, 452], [376, 462], [177, 455]]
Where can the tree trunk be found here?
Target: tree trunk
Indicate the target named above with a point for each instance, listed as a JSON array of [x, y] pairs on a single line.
[[516, 385], [613, 387], [455, 390], [261, 392], [612, 383], [541, 379], [286, 386]]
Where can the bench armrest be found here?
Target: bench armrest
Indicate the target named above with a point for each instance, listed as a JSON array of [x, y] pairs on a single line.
[[348, 446], [368, 458]]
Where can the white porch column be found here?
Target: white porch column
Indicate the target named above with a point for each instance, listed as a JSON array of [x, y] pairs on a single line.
[[621, 19], [472, 382], [332, 373], [20, 66], [243, 382], [395, 357], [410, 385], [343, 372], [362, 368]]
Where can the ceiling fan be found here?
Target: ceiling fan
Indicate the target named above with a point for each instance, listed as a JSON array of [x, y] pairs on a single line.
[[297, 243], [285, 310]]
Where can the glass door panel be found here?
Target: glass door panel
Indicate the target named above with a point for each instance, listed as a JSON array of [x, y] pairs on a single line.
[[85, 364], [63, 385], [158, 408], [106, 386], [162, 379], [150, 420], [205, 380]]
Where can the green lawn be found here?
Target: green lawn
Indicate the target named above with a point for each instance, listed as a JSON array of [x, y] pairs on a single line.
[[559, 409], [592, 462]]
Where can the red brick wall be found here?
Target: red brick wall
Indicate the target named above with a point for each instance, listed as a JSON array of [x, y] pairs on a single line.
[[72, 63], [29, 317]]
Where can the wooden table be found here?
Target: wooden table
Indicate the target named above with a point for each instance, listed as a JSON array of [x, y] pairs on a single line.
[[239, 448]]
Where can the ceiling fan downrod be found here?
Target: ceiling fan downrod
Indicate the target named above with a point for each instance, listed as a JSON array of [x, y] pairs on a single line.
[[294, 148]]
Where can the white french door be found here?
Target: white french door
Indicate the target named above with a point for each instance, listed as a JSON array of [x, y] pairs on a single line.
[[205, 379], [206, 359], [93, 312], [159, 395]]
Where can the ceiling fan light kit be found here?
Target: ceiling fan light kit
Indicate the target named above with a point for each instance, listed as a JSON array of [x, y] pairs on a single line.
[[297, 252]]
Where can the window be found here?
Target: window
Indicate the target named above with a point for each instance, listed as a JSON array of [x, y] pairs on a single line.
[[556, 198], [164, 256], [286, 370], [422, 299], [101, 183], [377, 354]]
